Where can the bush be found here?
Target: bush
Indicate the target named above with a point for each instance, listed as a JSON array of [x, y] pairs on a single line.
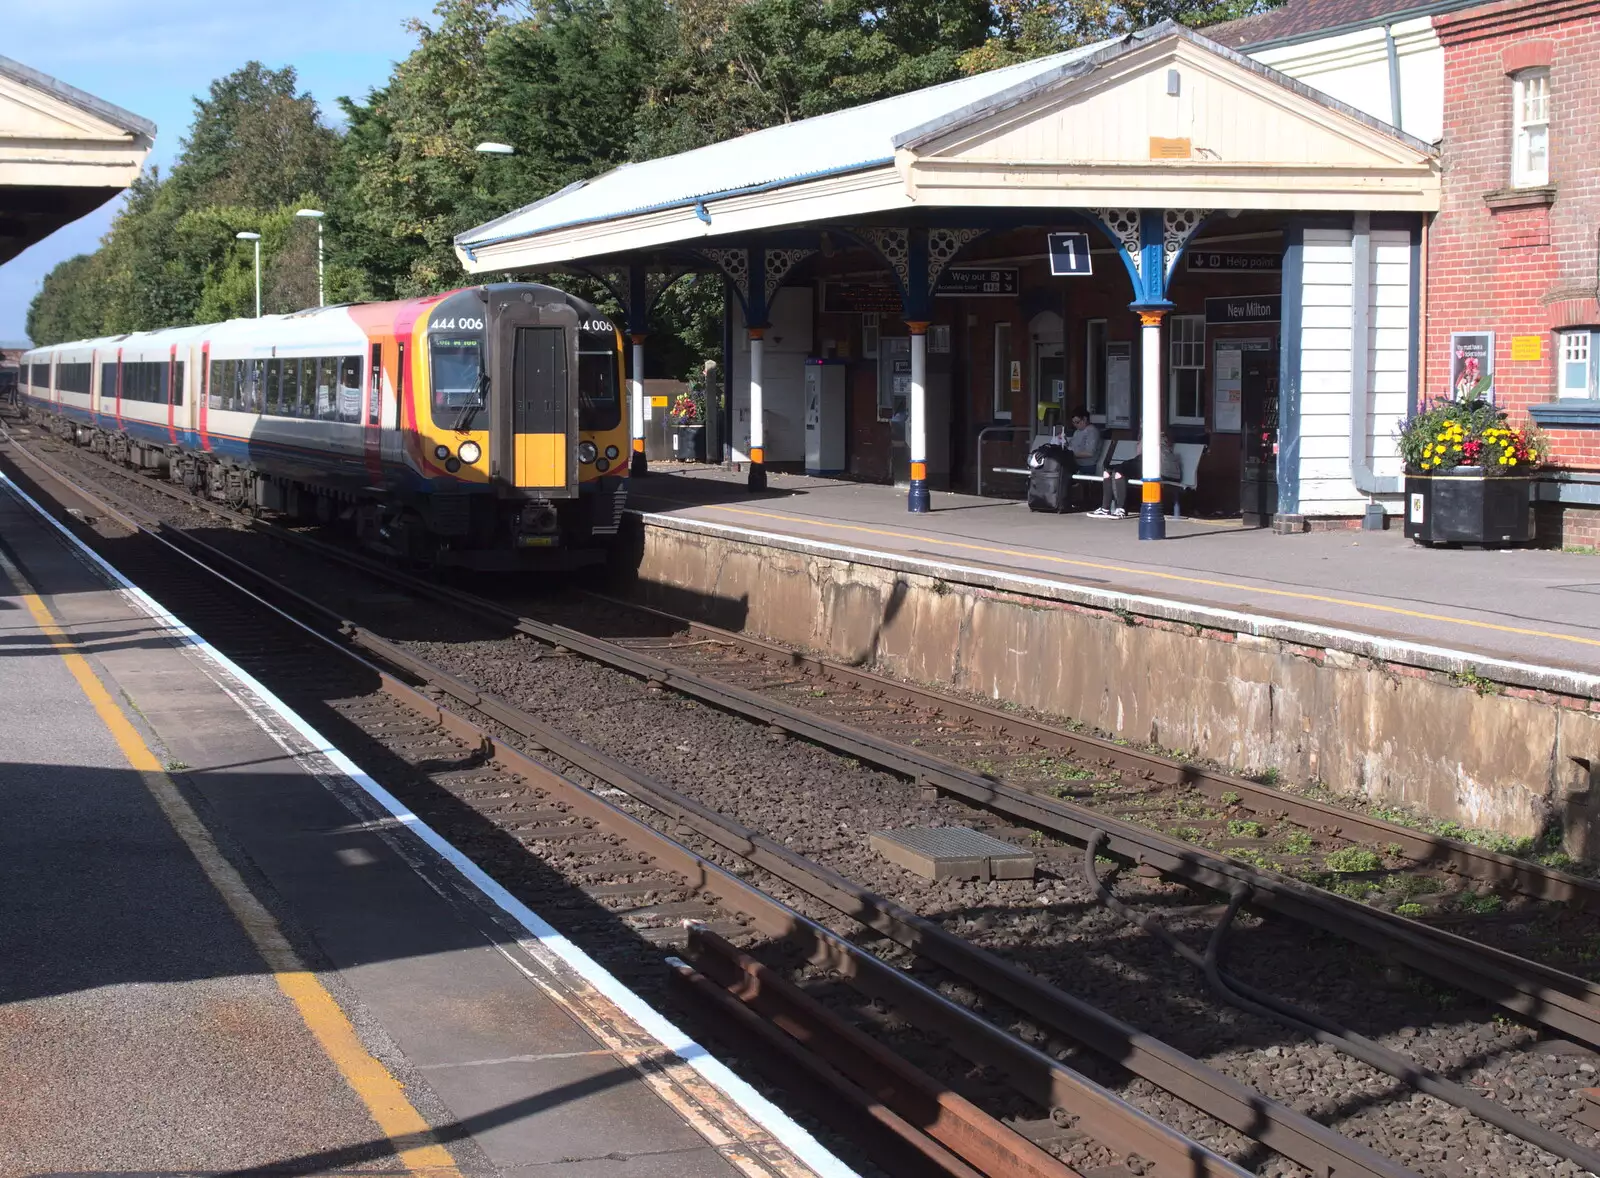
[[1353, 860], [1447, 434]]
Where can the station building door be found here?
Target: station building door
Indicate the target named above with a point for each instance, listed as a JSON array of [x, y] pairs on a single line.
[[1049, 371]]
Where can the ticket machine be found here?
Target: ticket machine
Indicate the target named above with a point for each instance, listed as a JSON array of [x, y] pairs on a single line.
[[825, 416]]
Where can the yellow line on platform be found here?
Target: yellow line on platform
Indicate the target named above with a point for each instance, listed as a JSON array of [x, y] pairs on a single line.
[[384, 1096], [1099, 566]]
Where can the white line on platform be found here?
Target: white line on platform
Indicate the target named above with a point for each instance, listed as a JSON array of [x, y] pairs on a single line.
[[671, 1037]]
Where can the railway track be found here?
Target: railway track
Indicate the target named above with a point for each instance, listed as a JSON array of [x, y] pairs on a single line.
[[1283, 1130]]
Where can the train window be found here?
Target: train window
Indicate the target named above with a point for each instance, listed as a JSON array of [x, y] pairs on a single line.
[[217, 374], [375, 386], [289, 397], [327, 387], [399, 385], [108, 382], [599, 406], [269, 403], [350, 389], [459, 380], [255, 380], [177, 383], [308, 387]]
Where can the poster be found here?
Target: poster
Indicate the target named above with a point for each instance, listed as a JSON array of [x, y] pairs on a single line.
[[1472, 365], [1226, 396], [1119, 385], [1227, 388]]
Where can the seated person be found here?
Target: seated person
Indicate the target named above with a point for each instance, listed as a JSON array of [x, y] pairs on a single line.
[[1114, 488], [1084, 444]]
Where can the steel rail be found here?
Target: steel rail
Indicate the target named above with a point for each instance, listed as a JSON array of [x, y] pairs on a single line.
[[1538, 992], [1118, 1125], [1529, 989], [1529, 879], [806, 1033]]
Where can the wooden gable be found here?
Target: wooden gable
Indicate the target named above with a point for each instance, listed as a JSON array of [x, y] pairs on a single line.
[[1175, 122]]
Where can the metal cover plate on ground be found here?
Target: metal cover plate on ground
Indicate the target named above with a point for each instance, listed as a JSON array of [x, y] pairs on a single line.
[[952, 852]]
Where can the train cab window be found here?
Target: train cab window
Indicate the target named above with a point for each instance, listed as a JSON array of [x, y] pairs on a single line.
[[459, 381], [399, 384], [350, 389], [270, 402], [599, 402]]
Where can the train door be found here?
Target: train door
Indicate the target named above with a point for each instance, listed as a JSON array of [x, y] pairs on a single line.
[[533, 390], [539, 396], [372, 429]]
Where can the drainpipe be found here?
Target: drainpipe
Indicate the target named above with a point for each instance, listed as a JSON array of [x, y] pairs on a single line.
[[1394, 76], [1361, 473]]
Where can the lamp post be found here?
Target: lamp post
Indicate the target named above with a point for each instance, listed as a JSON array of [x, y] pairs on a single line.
[[255, 237], [317, 215]]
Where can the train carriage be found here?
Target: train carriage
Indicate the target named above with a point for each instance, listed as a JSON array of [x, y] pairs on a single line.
[[480, 428]]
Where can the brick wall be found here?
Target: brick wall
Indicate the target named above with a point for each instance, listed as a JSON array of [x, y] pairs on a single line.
[[1509, 264]]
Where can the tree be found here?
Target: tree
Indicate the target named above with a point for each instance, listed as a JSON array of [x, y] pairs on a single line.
[[65, 308]]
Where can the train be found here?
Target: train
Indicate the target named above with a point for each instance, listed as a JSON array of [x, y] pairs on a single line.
[[481, 428]]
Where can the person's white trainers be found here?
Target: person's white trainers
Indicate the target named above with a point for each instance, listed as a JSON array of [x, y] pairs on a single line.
[[1119, 513], [1099, 513]]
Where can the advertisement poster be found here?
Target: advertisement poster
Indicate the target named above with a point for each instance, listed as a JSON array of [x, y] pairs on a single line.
[[1119, 385], [1472, 365]]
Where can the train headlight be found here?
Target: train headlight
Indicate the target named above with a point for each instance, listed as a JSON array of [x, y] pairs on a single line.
[[441, 452], [612, 452], [452, 465], [587, 452], [470, 452], [602, 464]]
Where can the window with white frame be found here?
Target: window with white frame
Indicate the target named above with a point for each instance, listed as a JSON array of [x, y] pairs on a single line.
[[1186, 365], [1575, 364], [1094, 369], [1530, 159]]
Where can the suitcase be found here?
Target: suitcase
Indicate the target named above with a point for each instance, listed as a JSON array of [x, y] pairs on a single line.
[[1049, 479]]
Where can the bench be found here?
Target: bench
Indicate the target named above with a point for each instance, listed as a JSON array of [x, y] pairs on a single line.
[[1189, 470]]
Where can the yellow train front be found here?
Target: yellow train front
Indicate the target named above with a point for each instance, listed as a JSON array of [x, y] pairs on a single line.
[[516, 426]]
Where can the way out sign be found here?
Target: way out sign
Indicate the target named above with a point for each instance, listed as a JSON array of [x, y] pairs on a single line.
[[1069, 254]]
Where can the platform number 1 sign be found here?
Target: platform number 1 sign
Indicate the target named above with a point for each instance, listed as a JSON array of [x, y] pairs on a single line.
[[1069, 254]]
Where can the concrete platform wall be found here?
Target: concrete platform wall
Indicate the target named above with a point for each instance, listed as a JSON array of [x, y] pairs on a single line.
[[1458, 745]]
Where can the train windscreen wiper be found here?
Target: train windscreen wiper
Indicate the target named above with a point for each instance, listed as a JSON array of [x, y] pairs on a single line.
[[470, 410]]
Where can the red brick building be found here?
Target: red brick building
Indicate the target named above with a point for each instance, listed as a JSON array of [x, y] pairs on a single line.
[[1510, 91], [1515, 249]]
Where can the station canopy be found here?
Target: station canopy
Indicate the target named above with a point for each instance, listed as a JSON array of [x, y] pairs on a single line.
[[63, 153], [1158, 119]]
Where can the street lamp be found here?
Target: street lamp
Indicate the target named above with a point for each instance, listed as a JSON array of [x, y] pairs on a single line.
[[255, 237], [317, 215], [496, 149]]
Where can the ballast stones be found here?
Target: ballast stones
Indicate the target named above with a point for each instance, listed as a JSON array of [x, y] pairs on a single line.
[[952, 852]]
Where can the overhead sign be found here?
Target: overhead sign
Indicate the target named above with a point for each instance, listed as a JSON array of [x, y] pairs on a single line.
[[1244, 309], [1069, 254], [1234, 261], [980, 282], [861, 298]]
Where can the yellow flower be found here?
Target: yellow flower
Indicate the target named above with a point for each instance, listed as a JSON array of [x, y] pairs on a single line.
[[1511, 462], [1458, 449]]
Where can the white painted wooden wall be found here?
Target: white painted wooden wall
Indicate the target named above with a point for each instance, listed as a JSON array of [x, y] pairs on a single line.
[[1326, 487]]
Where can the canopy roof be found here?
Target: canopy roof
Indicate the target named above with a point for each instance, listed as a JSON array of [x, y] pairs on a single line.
[[1098, 127]]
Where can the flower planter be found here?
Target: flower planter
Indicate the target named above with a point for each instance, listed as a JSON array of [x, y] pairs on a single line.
[[1466, 506], [688, 442]]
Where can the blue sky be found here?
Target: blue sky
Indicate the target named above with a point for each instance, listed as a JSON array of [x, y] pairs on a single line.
[[154, 56]]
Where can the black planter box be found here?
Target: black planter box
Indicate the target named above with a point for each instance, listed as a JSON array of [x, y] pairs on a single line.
[[1466, 506], [688, 442]]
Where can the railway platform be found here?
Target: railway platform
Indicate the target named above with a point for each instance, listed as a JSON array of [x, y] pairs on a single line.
[[1530, 608], [219, 955]]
